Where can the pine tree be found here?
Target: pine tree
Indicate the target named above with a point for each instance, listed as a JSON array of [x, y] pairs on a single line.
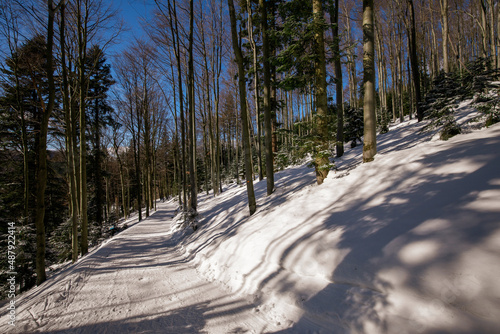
[[99, 116]]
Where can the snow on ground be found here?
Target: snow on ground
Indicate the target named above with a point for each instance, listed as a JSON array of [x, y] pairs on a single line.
[[138, 282], [409, 243]]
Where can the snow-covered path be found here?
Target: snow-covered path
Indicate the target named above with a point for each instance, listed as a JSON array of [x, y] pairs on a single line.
[[138, 282]]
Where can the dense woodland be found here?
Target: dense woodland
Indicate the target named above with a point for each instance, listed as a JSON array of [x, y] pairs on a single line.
[[214, 92]]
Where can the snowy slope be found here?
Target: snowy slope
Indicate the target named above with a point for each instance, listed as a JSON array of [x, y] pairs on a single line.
[[407, 243]]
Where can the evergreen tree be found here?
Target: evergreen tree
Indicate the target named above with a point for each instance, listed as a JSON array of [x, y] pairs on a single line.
[[99, 117]]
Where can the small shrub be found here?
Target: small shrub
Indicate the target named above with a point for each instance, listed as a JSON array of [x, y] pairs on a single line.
[[491, 112], [450, 129]]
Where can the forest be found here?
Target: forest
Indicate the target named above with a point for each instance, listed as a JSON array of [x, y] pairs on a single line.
[[211, 93]]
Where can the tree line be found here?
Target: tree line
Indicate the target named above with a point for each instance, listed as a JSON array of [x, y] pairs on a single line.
[[213, 92]]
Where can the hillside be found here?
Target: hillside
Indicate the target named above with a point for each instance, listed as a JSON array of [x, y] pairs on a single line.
[[409, 243]]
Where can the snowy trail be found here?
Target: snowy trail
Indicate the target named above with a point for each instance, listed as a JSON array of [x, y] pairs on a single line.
[[138, 282]]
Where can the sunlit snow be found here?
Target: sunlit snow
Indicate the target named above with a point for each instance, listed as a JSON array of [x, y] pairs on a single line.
[[409, 243]]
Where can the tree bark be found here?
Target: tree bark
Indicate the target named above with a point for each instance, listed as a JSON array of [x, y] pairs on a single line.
[[41, 172], [322, 162], [175, 39], [267, 99], [69, 141], [192, 120], [256, 90], [414, 61], [82, 55], [445, 29], [243, 106], [334, 17], [370, 140], [147, 139]]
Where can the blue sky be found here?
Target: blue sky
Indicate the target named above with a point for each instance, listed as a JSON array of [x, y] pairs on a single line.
[[134, 12]]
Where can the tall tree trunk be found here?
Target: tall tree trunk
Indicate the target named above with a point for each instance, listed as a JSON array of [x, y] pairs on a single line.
[[399, 64], [445, 28], [414, 61], [267, 99], [334, 17], [484, 28], [97, 166], [491, 13], [192, 120], [147, 143], [382, 72], [82, 55], [370, 139], [176, 43], [497, 41], [209, 118], [321, 161], [41, 172], [177, 167], [137, 150], [243, 105], [256, 90], [69, 141], [122, 181], [400, 82], [205, 145], [434, 49]]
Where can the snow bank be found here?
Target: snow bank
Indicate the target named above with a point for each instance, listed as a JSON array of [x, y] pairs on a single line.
[[407, 243]]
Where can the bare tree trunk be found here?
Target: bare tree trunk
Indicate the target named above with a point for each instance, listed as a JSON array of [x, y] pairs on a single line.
[[41, 172], [209, 117], [147, 141], [267, 100], [497, 41], [334, 17], [392, 64], [434, 49], [256, 91], [414, 61], [175, 38], [205, 145], [399, 64], [351, 67], [69, 141], [192, 117], [82, 55], [216, 70], [491, 6], [444, 20], [136, 137], [243, 105], [321, 160], [460, 38], [122, 181], [382, 72], [370, 139]]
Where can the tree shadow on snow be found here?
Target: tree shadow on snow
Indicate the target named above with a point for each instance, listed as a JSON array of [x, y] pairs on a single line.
[[185, 320], [429, 228]]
